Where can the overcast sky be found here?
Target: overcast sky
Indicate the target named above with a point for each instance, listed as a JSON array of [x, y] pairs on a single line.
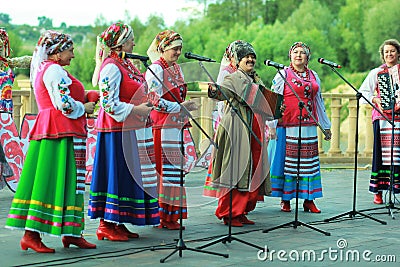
[[85, 12]]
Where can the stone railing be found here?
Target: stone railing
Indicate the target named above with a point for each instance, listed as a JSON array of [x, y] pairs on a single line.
[[341, 149]]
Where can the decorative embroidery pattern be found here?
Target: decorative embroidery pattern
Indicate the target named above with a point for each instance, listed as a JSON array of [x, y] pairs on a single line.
[[105, 91], [64, 93]]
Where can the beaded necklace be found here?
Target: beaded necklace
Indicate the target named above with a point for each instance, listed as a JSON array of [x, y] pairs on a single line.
[[303, 75], [126, 63], [173, 71]]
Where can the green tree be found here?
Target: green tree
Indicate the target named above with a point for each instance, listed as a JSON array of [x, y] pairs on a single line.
[[353, 50], [377, 26], [45, 22], [4, 18]]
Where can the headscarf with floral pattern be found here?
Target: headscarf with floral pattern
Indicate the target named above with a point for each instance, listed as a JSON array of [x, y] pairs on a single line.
[[50, 42], [114, 36], [163, 41]]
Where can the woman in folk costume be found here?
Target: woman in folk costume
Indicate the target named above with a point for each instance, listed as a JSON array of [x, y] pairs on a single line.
[[49, 199], [378, 87], [164, 52], [240, 162], [306, 84], [124, 181]]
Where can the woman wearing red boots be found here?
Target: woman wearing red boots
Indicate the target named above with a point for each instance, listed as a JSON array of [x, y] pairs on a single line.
[[377, 87], [124, 183], [306, 84], [49, 199], [164, 52]]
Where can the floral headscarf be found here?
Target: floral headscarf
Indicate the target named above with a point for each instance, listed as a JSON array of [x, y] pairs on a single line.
[[163, 41], [50, 43], [304, 46], [114, 36], [5, 49]]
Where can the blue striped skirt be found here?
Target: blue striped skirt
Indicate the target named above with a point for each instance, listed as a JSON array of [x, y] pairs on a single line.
[[284, 161], [121, 191]]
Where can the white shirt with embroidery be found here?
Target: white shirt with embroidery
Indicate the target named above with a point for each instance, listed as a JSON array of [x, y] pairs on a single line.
[[57, 82], [109, 82], [156, 86]]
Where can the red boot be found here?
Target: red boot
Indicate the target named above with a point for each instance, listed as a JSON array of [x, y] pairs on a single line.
[[120, 228], [285, 206], [170, 225], [107, 230], [378, 198], [33, 241], [309, 205], [77, 241], [235, 222], [244, 220]]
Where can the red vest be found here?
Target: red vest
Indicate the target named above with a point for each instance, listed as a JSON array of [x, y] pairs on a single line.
[[178, 88], [132, 90], [306, 90], [50, 122]]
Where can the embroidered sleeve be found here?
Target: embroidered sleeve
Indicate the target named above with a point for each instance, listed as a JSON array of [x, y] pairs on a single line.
[[109, 84], [155, 87], [57, 83], [369, 85], [322, 117]]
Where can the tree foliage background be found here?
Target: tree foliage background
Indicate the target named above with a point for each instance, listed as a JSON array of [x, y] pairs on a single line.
[[345, 31]]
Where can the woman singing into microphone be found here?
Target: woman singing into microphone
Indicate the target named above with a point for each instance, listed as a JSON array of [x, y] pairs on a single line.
[[306, 84]]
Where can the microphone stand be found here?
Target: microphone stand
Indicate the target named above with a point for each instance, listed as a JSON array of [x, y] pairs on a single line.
[[352, 213], [229, 238], [296, 221], [180, 245], [390, 205]]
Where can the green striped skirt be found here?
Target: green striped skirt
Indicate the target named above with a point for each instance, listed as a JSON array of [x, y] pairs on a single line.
[[46, 199]]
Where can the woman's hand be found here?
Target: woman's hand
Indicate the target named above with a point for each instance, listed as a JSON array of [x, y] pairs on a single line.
[[190, 105], [282, 108], [89, 107], [272, 133], [328, 134], [142, 109], [377, 101]]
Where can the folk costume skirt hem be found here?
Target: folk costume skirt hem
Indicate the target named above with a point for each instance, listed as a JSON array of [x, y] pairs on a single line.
[[117, 193], [284, 184], [380, 174], [46, 199]]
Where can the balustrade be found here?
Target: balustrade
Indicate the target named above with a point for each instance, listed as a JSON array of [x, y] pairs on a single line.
[[340, 149]]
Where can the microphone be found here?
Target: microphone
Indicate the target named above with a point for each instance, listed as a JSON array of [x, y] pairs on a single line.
[[273, 64], [329, 63], [132, 56], [190, 55]]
